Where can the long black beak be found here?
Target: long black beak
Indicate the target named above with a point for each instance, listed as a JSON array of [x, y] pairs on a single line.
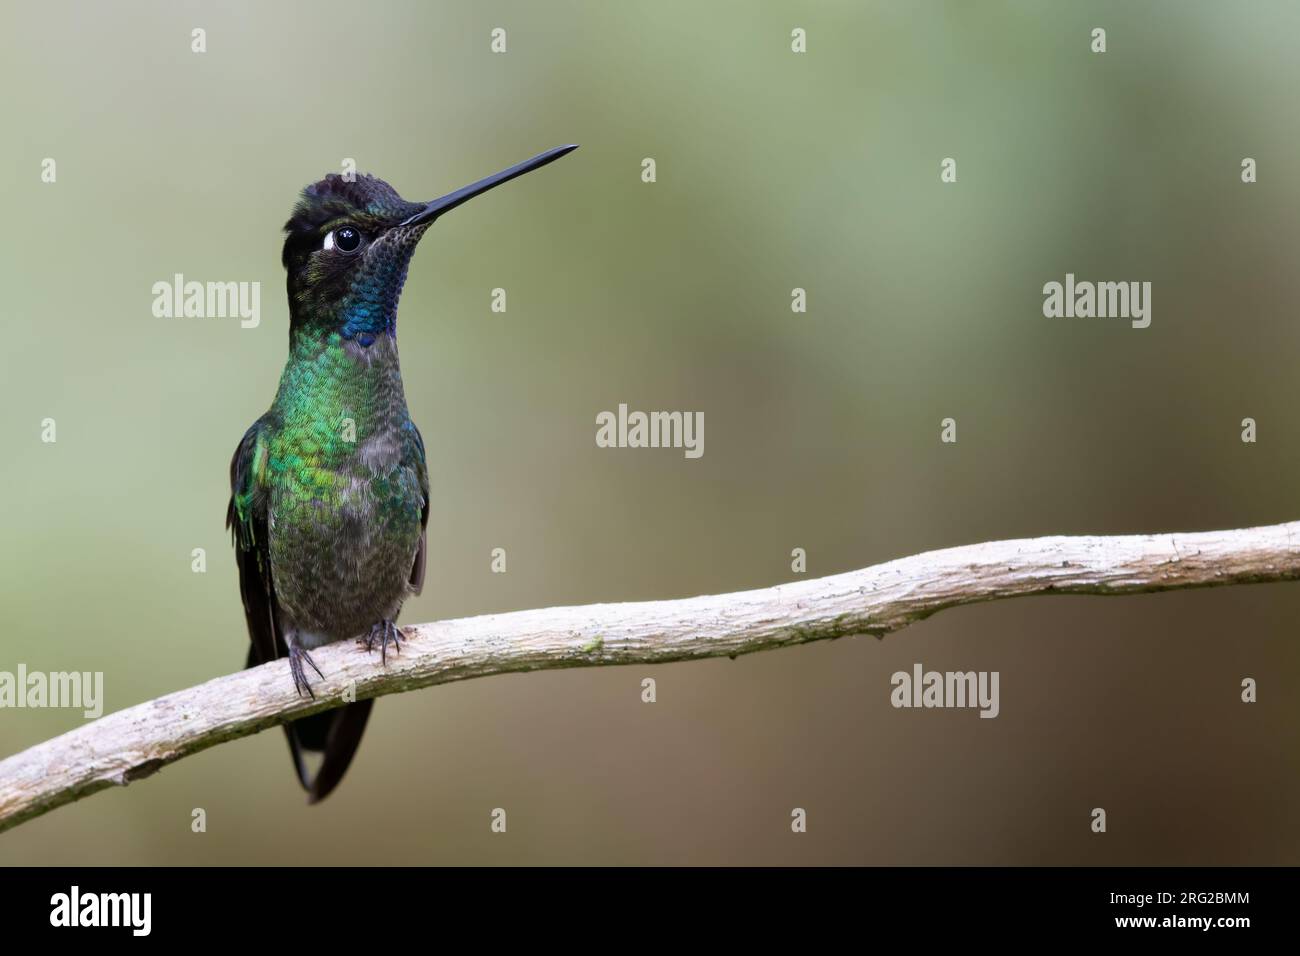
[[450, 201]]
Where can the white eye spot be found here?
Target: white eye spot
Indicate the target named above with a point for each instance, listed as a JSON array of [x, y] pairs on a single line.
[[329, 240]]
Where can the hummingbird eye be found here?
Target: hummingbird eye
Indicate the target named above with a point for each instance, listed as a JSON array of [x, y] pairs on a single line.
[[345, 239]]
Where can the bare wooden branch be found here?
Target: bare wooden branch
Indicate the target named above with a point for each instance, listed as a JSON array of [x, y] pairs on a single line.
[[136, 742]]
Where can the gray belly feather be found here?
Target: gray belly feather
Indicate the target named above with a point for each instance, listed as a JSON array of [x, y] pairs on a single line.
[[341, 565]]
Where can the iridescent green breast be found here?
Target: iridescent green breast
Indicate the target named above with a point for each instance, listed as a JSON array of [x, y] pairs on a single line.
[[345, 475]]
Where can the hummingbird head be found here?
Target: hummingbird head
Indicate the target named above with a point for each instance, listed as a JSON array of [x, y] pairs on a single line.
[[349, 242]]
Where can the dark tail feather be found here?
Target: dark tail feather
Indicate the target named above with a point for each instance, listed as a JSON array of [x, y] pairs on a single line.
[[336, 733]]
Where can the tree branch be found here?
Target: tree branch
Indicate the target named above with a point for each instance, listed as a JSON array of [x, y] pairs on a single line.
[[136, 742]]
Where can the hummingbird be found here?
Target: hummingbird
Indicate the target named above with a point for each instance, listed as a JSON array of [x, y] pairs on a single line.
[[329, 490]]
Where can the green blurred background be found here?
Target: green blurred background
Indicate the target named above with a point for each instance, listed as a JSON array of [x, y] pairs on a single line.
[[775, 170]]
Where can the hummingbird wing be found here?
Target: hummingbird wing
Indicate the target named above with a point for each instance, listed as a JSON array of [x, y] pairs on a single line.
[[335, 732], [246, 518], [421, 552]]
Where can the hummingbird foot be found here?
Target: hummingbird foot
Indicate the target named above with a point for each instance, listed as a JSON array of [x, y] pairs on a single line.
[[298, 654], [383, 632]]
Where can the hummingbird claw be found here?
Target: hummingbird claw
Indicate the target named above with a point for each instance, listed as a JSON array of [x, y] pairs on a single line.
[[383, 631], [297, 655]]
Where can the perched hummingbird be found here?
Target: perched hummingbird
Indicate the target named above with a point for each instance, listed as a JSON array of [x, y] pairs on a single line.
[[329, 490]]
